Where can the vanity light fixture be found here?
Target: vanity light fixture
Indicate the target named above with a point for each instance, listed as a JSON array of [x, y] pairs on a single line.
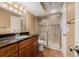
[[14, 7]]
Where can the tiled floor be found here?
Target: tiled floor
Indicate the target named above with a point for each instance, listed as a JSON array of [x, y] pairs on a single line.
[[50, 53]]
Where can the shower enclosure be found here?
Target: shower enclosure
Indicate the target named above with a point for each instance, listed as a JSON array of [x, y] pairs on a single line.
[[51, 33]]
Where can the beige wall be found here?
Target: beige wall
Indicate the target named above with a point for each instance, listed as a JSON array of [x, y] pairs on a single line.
[[70, 10], [71, 39], [71, 33], [4, 21], [30, 23]]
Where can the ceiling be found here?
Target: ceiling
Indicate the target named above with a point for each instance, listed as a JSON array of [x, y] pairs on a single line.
[[43, 8]]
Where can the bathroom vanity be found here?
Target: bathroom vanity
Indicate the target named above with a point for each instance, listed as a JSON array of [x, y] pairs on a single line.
[[22, 47]]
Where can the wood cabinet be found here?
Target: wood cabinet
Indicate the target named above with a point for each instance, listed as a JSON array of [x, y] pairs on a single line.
[[28, 48], [9, 50], [25, 48], [14, 54], [26, 51]]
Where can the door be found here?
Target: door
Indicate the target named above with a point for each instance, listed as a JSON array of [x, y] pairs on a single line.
[[54, 38], [51, 35], [76, 26], [70, 28]]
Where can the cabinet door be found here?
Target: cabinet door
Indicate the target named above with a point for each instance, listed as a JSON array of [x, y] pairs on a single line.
[[9, 50], [35, 47], [14, 54], [24, 52], [29, 50]]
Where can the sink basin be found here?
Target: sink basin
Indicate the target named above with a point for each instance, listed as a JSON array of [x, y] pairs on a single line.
[[21, 37]]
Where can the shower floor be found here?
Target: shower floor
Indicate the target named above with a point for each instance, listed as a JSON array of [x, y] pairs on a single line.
[[54, 45]]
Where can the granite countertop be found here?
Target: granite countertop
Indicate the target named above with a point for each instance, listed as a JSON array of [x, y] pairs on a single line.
[[10, 41]]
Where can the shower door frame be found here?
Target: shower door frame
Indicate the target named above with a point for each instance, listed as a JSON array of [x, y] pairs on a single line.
[[47, 36]]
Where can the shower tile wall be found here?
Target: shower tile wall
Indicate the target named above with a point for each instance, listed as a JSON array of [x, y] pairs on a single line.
[[43, 31]]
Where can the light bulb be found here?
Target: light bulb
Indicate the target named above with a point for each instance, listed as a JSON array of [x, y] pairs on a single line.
[[21, 8], [15, 5], [24, 11]]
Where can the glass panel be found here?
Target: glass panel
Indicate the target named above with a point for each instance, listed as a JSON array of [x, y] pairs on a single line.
[[54, 36]]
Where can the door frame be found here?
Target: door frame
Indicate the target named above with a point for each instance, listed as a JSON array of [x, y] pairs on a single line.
[[76, 25]]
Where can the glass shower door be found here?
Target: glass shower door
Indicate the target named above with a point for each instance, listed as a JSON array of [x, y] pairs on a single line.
[[50, 33], [54, 38]]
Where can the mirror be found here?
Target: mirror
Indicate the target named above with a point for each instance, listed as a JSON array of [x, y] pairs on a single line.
[[11, 23]]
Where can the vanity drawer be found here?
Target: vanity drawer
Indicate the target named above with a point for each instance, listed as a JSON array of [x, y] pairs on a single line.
[[8, 50]]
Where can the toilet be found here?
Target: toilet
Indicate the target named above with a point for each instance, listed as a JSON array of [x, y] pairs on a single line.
[[41, 44]]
